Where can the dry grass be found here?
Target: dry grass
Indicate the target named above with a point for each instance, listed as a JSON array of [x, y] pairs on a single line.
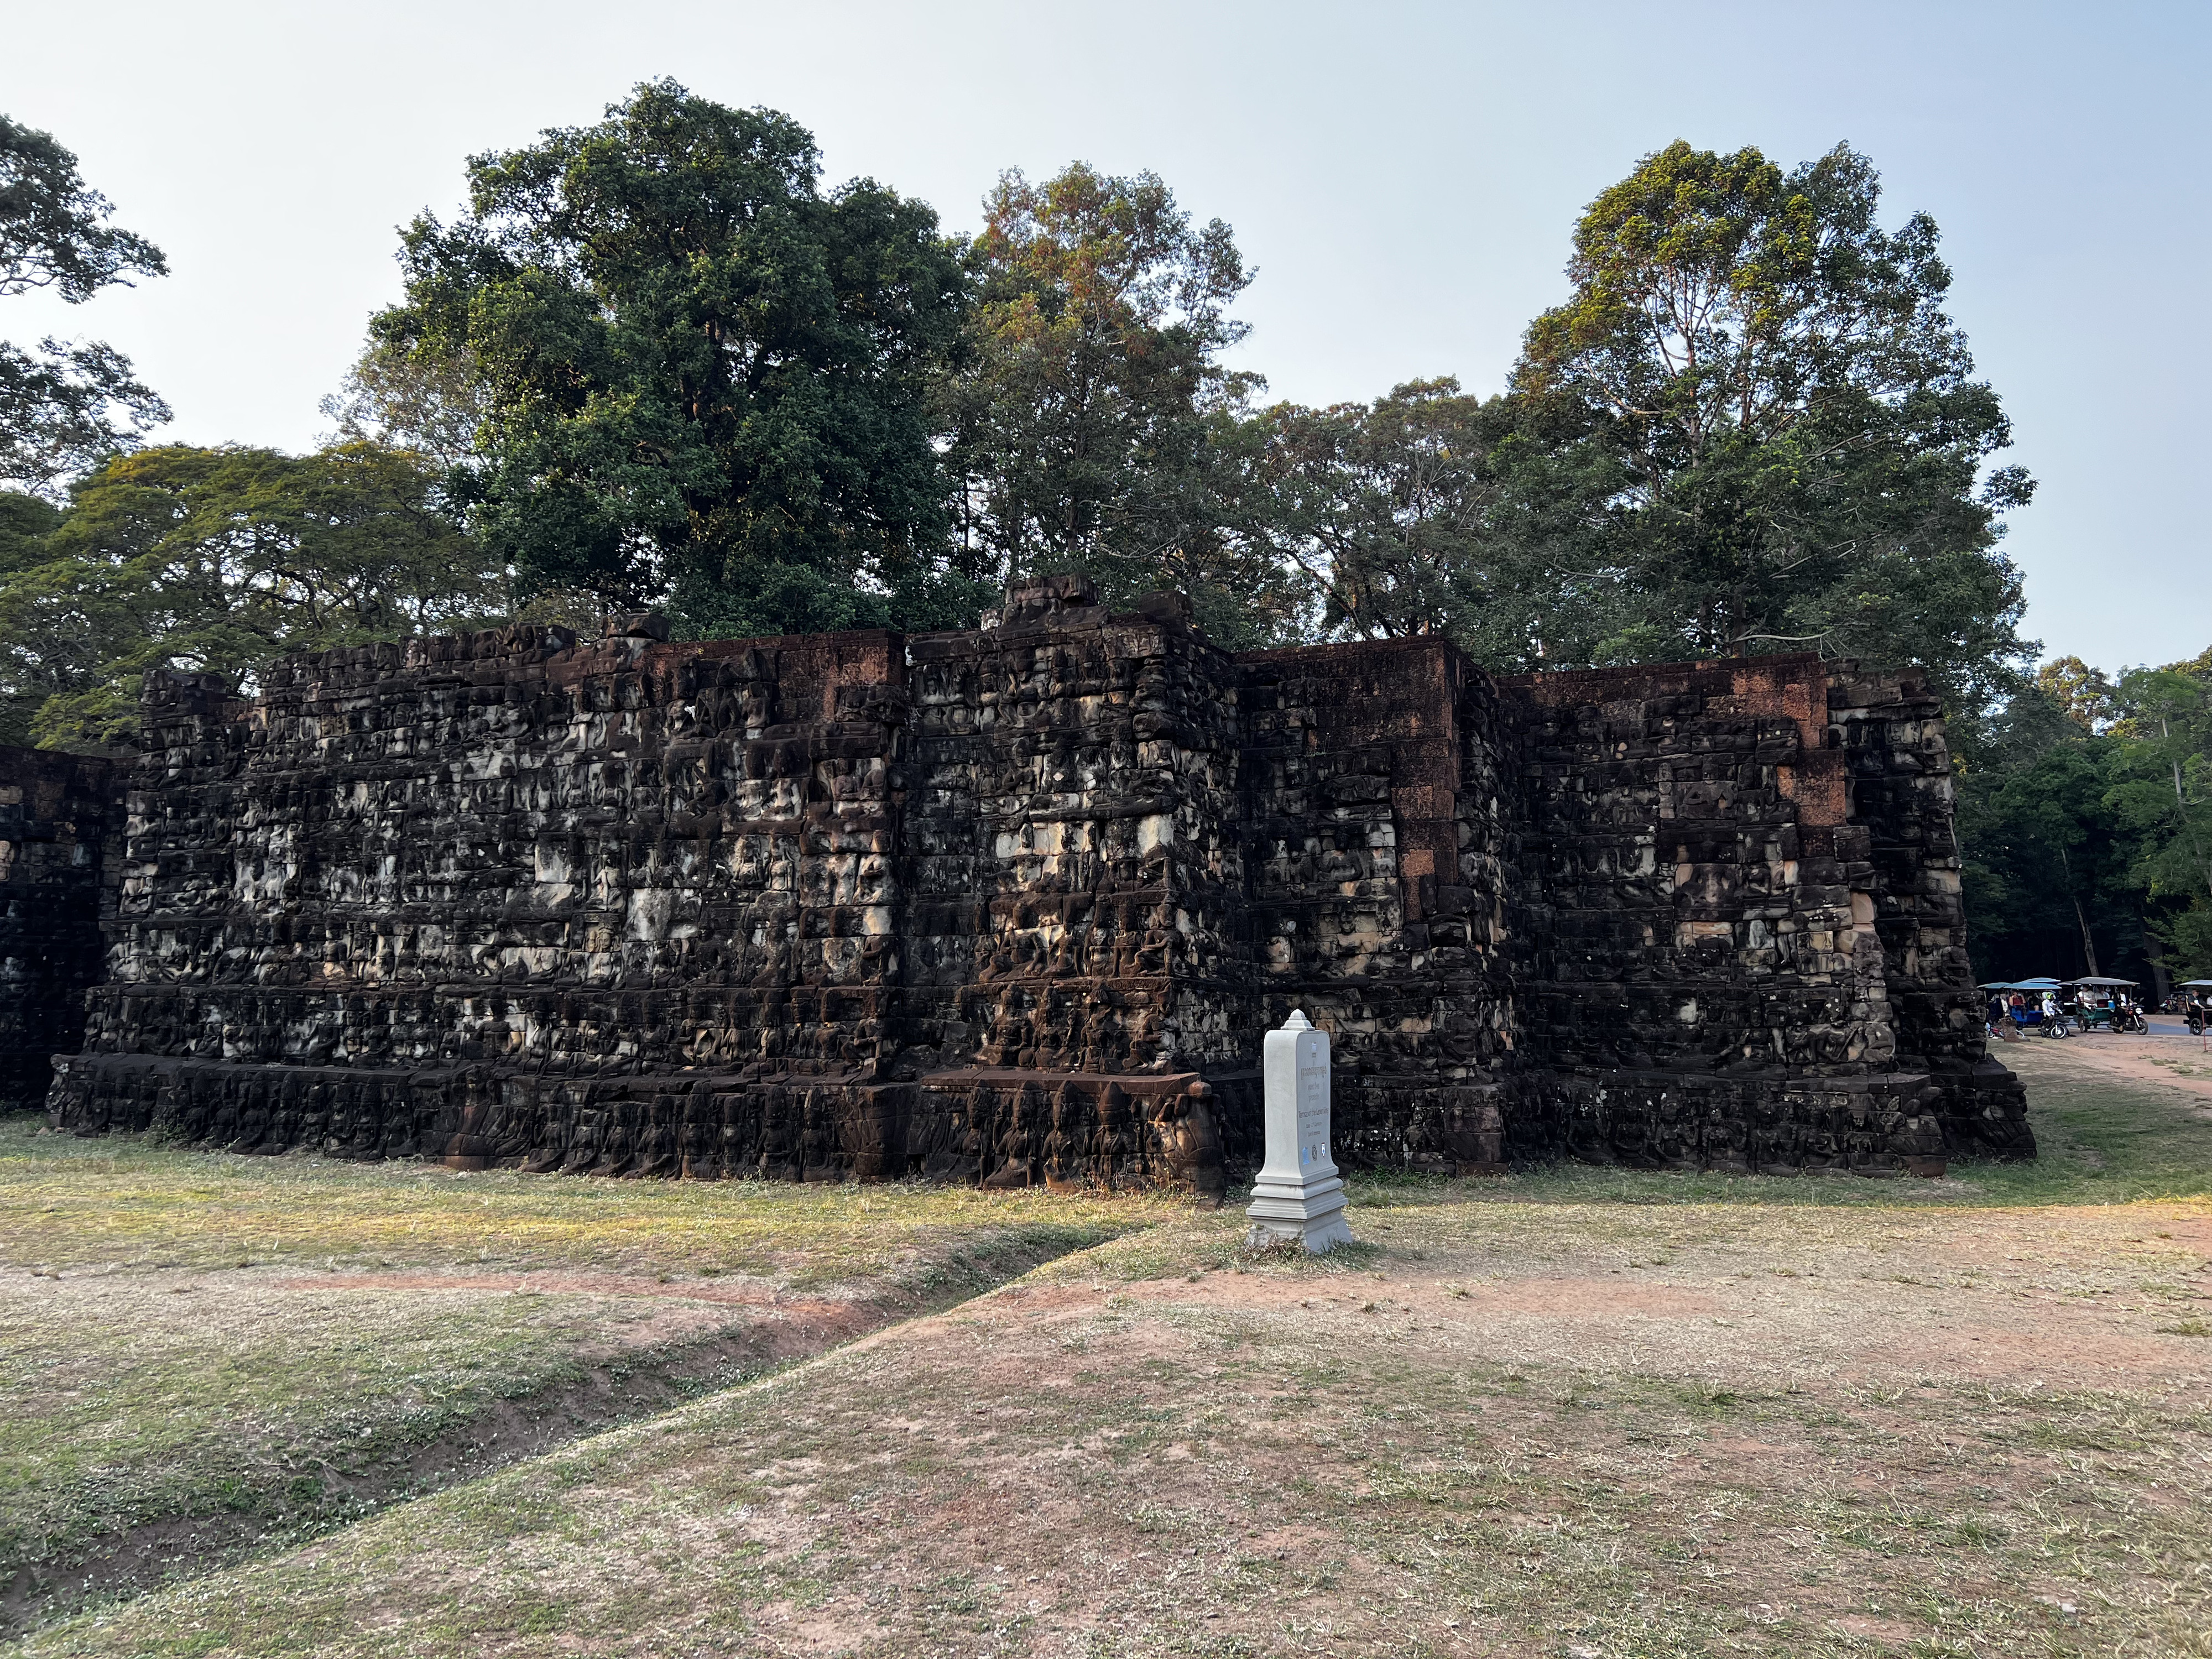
[[1577, 1413], [205, 1354], [134, 1202]]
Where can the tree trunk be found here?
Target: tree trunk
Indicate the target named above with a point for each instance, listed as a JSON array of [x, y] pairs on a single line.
[[2162, 982], [2088, 946]]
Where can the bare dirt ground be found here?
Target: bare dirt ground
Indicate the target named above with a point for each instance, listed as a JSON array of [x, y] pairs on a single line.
[[2183, 1061], [1576, 1413]]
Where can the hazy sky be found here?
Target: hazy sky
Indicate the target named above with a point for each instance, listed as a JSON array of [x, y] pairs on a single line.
[[1404, 177]]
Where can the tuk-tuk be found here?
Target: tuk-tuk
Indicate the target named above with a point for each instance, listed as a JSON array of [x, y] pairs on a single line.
[[2103, 1007], [2196, 993], [2029, 1017]]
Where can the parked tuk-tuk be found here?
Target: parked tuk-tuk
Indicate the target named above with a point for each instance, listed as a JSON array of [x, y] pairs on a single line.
[[2027, 1014], [2104, 1006], [2196, 996]]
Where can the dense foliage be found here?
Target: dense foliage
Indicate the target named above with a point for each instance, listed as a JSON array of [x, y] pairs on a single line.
[[1094, 424], [219, 560], [2087, 816], [655, 361], [1790, 425], [64, 404], [700, 375]]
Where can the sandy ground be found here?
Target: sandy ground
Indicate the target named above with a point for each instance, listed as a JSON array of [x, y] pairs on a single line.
[[1537, 1417]]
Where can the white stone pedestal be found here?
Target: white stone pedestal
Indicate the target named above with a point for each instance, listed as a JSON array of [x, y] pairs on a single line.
[[1299, 1196]]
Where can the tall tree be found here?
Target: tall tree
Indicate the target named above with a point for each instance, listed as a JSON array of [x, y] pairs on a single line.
[[222, 559], [2050, 873], [1801, 439], [413, 399], [2087, 694], [66, 404], [1427, 511], [1094, 417], [2161, 799], [699, 372]]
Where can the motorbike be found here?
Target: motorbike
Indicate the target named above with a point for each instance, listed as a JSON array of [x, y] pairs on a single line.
[[2131, 1021]]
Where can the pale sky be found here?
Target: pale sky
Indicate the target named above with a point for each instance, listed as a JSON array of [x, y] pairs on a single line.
[[1405, 177]]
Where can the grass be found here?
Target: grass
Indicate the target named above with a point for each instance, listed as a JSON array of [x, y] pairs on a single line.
[[136, 1202], [203, 1354], [1572, 1412], [1297, 1458]]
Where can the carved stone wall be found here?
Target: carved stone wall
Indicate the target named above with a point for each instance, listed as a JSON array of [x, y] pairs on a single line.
[[58, 813], [1889, 730], [1744, 948], [1014, 905], [1376, 822]]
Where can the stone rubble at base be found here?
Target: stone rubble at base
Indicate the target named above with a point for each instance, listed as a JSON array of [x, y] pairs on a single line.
[[1014, 905]]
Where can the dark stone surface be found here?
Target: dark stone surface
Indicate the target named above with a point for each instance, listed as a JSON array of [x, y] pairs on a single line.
[[58, 816], [1015, 904]]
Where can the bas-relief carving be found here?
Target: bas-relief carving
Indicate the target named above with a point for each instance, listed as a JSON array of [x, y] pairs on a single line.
[[1016, 904]]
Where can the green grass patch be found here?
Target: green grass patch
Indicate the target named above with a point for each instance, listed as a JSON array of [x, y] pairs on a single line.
[[1200, 1399]]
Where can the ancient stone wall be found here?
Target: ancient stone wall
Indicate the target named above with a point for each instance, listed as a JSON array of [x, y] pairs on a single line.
[[1376, 824], [58, 813], [1889, 730], [1014, 905], [508, 896], [1704, 968]]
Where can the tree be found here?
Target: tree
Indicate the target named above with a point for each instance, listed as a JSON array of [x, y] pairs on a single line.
[[2089, 698], [698, 372], [1799, 438], [2050, 873], [1426, 512], [65, 405], [2085, 813], [220, 560], [2161, 798], [1094, 419], [25, 521], [414, 400]]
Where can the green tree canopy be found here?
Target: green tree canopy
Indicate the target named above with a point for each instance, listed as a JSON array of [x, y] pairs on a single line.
[[2085, 813], [2047, 881], [1798, 434], [220, 560], [1094, 417], [65, 405], [2086, 694], [1428, 511], [2160, 800], [699, 373]]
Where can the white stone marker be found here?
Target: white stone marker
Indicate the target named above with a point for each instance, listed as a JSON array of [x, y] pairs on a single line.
[[1299, 1194]]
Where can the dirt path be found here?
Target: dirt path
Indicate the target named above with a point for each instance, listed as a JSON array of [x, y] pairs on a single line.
[[2182, 1062]]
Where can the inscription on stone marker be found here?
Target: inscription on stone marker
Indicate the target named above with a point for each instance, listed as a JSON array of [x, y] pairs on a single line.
[[1313, 1110]]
